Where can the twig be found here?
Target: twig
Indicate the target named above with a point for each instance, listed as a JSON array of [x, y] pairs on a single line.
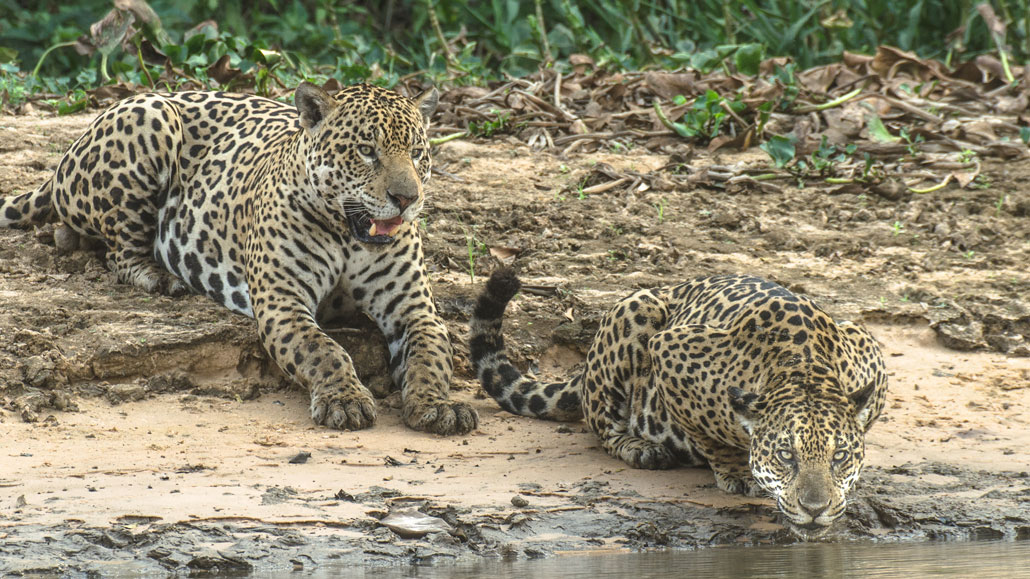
[[602, 187], [936, 187], [543, 31], [557, 80], [451, 137], [726, 107], [904, 106], [544, 104], [435, 22], [830, 104]]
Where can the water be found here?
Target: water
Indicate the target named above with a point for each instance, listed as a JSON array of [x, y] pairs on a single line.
[[982, 560]]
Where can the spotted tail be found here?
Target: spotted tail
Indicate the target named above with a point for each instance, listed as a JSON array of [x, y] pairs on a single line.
[[35, 207], [513, 391]]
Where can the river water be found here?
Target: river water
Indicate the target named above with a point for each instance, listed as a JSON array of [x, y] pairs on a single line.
[[980, 560]]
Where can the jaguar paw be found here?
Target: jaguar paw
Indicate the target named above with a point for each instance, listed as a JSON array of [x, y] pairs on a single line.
[[441, 417], [648, 455], [343, 409]]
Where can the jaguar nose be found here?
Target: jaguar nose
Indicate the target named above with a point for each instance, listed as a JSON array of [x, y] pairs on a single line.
[[814, 505], [401, 201]]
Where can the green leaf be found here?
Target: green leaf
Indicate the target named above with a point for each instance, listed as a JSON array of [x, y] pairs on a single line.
[[705, 61], [175, 53], [268, 57], [1024, 133], [781, 149], [73, 106], [878, 132], [8, 54], [195, 44], [748, 58], [198, 61]]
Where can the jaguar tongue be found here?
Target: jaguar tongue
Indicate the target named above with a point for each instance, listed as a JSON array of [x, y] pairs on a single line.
[[385, 226]]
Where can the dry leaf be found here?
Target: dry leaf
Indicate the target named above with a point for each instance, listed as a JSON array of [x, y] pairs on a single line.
[[505, 255]]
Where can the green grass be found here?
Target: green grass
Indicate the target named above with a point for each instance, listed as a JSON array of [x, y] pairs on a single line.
[[279, 42]]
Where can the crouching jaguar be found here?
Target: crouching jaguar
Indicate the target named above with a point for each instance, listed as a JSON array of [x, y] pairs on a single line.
[[735, 372], [286, 214]]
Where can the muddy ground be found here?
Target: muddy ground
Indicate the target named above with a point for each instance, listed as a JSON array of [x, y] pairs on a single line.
[[149, 433]]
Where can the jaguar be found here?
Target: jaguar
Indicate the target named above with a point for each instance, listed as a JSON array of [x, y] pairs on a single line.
[[289, 214], [730, 371]]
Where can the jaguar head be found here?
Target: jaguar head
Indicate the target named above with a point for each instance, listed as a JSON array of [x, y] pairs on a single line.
[[807, 446], [368, 157]]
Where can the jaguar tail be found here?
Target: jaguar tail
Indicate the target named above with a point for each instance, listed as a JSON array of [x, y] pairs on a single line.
[[32, 208], [514, 392]]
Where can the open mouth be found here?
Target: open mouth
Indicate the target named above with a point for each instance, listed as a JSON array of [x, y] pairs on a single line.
[[369, 230]]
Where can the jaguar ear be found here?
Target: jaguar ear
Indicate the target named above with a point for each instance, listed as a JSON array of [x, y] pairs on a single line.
[[746, 406], [862, 400], [313, 104], [427, 102]]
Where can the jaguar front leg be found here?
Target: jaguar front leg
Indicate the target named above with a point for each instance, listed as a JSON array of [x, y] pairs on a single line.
[[420, 359], [291, 336], [420, 348], [732, 473]]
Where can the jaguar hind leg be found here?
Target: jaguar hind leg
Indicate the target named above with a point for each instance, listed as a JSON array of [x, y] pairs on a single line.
[[616, 381], [135, 266], [110, 189]]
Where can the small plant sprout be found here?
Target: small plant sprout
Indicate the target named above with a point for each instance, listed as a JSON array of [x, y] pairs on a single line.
[[660, 206], [705, 118], [967, 156], [969, 254], [489, 127], [911, 143], [999, 204], [897, 227], [476, 249]]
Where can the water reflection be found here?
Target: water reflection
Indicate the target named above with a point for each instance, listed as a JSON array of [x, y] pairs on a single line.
[[867, 560]]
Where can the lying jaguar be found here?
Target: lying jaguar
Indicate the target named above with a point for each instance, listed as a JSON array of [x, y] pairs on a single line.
[[730, 371], [286, 214]]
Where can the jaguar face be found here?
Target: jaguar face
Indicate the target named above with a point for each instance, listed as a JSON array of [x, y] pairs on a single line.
[[369, 155], [807, 448]]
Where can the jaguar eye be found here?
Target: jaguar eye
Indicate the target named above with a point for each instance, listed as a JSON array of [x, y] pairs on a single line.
[[840, 456], [416, 154], [366, 150], [785, 455]]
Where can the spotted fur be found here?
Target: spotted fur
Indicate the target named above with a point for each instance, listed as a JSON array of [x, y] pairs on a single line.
[[730, 371], [268, 209]]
